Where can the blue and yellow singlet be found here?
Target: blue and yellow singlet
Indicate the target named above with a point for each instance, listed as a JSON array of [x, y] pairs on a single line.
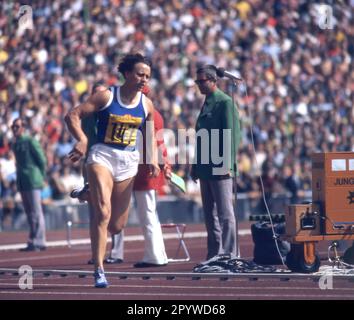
[[118, 124]]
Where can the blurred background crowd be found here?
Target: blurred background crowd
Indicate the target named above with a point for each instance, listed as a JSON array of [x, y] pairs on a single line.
[[299, 77]]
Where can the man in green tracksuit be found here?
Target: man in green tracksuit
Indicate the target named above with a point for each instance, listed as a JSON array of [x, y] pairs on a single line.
[[30, 170], [217, 140]]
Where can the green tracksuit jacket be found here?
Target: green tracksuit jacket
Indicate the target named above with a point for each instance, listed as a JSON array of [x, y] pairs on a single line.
[[30, 163], [218, 113]]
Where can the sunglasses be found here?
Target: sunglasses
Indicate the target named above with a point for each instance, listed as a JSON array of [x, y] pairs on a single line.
[[200, 81], [15, 126]]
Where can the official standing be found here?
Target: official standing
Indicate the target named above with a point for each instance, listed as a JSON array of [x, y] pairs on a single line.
[[217, 141], [30, 167]]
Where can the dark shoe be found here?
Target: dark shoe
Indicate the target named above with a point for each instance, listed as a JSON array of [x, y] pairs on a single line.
[[32, 247], [143, 264], [111, 260], [348, 256], [80, 194], [91, 261]]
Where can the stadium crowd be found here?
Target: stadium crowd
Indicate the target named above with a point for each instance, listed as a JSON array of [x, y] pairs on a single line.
[[299, 76]]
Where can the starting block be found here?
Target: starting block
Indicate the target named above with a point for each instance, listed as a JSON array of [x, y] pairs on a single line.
[[180, 230]]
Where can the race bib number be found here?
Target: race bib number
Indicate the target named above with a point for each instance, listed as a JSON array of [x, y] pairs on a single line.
[[122, 129]]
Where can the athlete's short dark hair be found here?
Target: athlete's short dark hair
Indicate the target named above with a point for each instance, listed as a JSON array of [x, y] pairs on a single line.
[[130, 60]]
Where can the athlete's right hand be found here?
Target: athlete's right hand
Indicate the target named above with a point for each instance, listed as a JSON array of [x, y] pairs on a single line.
[[154, 170], [78, 151]]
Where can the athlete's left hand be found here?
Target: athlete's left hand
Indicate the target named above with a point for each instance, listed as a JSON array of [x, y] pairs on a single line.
[[78, 151]]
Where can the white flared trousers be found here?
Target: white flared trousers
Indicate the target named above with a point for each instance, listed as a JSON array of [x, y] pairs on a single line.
[[154, 250]]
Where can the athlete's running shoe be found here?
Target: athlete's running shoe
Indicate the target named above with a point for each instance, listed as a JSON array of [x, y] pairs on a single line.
[[100, 279]]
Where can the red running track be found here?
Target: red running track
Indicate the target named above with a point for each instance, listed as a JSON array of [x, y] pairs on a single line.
[[153, 284]]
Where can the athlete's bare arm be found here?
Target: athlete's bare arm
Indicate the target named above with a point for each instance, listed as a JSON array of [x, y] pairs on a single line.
[[151, 143], [73, 121]]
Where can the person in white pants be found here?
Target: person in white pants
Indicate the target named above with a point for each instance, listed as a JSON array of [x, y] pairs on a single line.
[[154, 250]]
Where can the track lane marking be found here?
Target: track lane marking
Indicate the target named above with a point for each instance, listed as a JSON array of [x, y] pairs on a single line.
[[206, 295], [167, 236], [36, 285]]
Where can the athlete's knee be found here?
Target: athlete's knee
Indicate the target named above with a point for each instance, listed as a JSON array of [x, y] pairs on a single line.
[[115, 228], [116, 225], [102, 213]]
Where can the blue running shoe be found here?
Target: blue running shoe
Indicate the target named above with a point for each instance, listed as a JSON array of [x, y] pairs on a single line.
[[100, 279]]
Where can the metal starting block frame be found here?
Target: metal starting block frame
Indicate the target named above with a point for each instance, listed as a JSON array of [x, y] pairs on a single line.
[[180, 230]]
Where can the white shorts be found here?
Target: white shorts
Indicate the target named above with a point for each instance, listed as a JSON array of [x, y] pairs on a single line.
[[122, 164]]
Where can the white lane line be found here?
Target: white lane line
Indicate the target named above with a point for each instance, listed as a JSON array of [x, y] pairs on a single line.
[[98, 292], [61, 243], [46, 257], [71, 253], [67, 285]]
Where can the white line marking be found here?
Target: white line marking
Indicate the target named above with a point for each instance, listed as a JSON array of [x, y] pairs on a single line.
[[46, 257], [184, 294], [37, 285], [61, 243]]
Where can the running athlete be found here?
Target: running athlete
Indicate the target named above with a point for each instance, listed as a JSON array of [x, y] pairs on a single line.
[[113, 162]]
